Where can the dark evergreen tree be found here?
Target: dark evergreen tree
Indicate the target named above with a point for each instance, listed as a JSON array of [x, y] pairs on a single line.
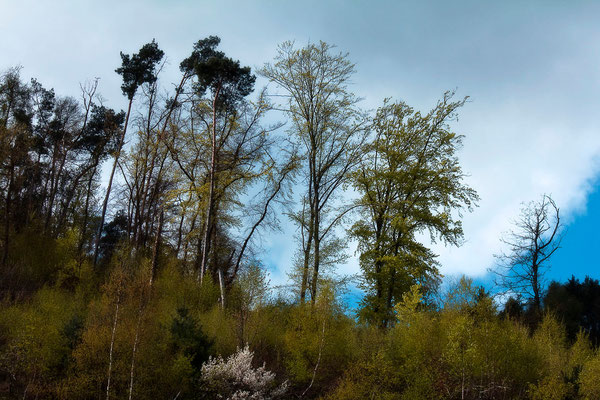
[[188, 338], [228, 83], [136, 70], [577, 305]]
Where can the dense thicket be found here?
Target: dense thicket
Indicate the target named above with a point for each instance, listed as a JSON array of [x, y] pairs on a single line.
[[151, 285]]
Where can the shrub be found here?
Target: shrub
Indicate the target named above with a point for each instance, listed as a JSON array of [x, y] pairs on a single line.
[[236, 379]]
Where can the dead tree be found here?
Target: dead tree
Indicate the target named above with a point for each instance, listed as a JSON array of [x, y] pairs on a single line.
[[536, 237]]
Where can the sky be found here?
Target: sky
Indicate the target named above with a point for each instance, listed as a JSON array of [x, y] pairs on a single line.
[[531, 71]]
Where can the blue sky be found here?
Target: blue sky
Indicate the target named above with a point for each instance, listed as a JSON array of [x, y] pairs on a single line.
[[531, 69], [580, 252]]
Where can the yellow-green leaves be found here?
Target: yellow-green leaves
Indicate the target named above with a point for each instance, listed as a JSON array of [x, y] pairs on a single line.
[[410, 183], [406, 310]]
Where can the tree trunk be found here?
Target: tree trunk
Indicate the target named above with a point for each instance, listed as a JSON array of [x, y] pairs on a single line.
[[110, 181], [52, 178], [160, 137], [86, 209], [179, 234], [135, 345], [211, 176], [317, 241], [7, 220], [388, 303], [221, 288], [306, 266], [536, 289], [112, 340], [155, 252]]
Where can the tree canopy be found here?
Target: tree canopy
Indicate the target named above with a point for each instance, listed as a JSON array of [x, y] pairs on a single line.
[[410, 182]]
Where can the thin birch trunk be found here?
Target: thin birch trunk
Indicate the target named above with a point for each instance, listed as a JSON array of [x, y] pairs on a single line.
[[222, 289], [210, 206], [112, 339], [144, 300]]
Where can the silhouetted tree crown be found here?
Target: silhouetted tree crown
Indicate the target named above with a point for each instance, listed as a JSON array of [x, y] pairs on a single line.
[[577, 305], [139, 68], [224, 77]]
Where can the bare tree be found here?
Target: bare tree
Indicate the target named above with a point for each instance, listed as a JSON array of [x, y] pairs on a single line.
[[536, 238]]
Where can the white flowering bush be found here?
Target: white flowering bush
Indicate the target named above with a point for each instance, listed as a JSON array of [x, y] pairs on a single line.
[[236, 378]]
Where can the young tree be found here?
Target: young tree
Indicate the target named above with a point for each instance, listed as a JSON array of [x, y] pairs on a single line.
[[536, 238], [410, 182], [329, 128]]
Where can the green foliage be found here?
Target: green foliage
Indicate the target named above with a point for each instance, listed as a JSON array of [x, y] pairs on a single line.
[[37, 259], [370, 379], [220, 74], [57, 344], [588, 379], [318, 343], [247, 301], [577, 305], [139, 68], [410, 183], [561, 365], [462, 351], [189, 340], [406, 310], [38, 338]]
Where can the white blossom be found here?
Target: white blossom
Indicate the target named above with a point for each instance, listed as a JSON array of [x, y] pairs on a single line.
[[236, 379]]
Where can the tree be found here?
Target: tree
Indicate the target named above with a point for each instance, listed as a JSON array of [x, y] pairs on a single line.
[[189, 339], [103, 129], [536, 238], [577, 305], [228, 83], [14, 140], [136, 71], [224, 153], [410, 182], [151, 153], [51, 146], [330, 130]]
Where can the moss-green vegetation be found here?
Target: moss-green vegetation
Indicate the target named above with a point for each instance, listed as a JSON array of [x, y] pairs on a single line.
[[57, 342]]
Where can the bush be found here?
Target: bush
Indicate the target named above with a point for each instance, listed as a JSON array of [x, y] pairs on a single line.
[[236, 379], [589, 382]]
